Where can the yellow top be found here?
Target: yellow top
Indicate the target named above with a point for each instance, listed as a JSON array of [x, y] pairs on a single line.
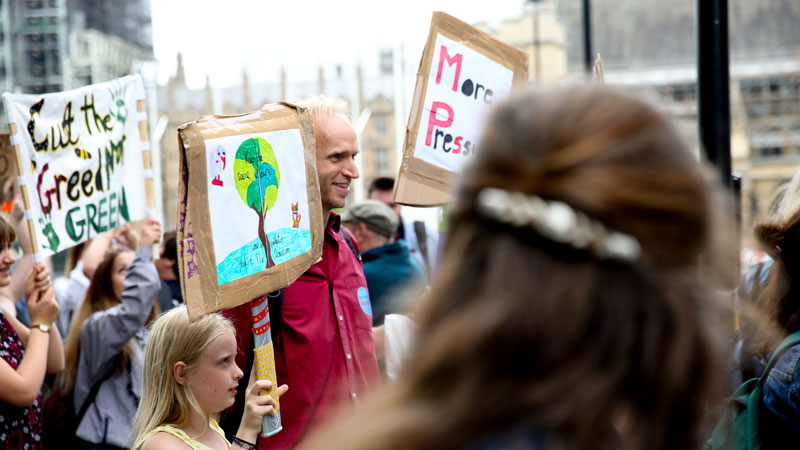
[[180, 434]]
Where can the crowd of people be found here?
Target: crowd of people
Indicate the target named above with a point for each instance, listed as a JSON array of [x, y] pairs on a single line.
[[578, 300]]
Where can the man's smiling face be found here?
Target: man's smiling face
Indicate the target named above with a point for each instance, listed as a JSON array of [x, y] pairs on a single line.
[[337, 147]]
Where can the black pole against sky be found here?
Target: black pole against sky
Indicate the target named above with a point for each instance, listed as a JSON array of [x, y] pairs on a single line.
[[713, 85], [588, 62]]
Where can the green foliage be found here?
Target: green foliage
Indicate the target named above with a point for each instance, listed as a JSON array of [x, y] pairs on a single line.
[[256, 173]]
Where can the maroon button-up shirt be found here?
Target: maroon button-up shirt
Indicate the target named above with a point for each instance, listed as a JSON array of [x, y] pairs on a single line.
[[324, 351]]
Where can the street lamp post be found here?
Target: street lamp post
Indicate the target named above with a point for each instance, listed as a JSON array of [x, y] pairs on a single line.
[[587, 37], [713, 85]]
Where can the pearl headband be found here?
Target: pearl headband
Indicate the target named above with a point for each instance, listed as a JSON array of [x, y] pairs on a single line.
[[558, 222]]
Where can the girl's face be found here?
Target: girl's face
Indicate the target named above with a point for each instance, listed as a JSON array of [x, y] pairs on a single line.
[[118, 271], [7, 259], [215, 378]]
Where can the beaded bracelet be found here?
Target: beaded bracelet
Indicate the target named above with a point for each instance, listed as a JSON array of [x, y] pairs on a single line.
[[244, 444]]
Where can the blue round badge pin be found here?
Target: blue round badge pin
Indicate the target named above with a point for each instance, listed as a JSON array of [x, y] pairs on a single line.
[[363, 301]]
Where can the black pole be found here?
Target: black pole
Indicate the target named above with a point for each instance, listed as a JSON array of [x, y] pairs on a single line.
[[587, 37], [713, 85]]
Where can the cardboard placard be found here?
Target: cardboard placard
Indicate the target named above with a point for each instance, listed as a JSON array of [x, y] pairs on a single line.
[[462, 73], [249, 212], [82, 159]]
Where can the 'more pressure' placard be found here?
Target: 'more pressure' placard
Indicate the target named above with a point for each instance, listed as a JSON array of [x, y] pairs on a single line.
[[463, 72], [461, 84]]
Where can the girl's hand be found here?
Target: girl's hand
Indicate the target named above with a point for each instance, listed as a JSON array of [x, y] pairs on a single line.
[[42, 307], [126, 236], [256, 407], [151, 232], [38, 279]]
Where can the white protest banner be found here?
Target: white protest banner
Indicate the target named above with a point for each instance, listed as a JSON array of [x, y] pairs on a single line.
[[83, 159], [463, 72]]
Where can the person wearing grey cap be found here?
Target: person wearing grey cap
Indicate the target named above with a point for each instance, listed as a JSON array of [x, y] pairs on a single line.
[[388, 265]]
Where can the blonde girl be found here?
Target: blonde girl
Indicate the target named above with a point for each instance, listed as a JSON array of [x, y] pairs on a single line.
[[190, 375]]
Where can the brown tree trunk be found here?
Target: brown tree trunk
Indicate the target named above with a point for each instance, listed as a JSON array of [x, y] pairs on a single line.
[[263, 236], [264, 240]]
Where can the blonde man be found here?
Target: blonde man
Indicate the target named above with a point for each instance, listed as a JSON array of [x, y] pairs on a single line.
[[324, 348]]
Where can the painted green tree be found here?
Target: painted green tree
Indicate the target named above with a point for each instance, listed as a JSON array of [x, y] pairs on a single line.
[[257, 180]]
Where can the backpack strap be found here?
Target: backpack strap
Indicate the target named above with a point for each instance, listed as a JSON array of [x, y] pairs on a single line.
[[422, 243], [346, 236], [92, 395]]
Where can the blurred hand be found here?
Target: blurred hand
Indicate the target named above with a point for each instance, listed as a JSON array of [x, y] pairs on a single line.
[[8, 190], [42, 307], [151, 232], [38, 279], [17, 213], [126, 236]]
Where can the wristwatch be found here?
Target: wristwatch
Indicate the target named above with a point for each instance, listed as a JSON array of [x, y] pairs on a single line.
[[41, 326]]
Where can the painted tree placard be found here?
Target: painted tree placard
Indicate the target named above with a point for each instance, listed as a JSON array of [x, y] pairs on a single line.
[[83, 160], [250, 212], [463, 72]]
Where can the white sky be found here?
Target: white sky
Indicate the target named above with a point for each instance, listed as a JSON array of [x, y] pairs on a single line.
[[219, 37]]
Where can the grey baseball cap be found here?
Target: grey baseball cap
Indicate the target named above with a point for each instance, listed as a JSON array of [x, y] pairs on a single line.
[[376, 215]]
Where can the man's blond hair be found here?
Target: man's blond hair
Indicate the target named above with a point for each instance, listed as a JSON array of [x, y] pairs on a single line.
[[323, 105]]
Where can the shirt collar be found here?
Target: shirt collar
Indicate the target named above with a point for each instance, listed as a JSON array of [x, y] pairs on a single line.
[[334, 223]]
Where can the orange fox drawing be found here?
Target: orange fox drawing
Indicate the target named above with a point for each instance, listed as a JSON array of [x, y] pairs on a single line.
[[295, 216]]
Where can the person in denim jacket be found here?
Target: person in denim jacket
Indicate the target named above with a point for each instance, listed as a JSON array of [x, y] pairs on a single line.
[[780, 237]]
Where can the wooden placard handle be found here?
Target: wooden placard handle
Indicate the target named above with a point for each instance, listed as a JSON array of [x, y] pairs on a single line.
[[148, 181], [598, 69], [26, 200]]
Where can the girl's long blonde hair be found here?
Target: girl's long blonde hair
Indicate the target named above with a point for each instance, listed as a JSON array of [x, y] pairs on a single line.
[[173, 338], [99, 297]]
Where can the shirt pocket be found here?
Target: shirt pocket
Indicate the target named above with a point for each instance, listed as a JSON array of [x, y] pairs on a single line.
[[357, 302]]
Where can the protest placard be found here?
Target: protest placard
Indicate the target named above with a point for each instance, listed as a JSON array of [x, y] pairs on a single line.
[[462, 73], [83, 160], [249, 213]]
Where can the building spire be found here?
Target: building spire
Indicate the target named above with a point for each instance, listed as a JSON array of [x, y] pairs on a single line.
[[180, 76], [209, 97], [245, 90]]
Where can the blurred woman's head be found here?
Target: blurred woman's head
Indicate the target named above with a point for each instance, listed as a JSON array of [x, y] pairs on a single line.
[[105, 289], [569, 298], [779, 300], [118, 270]]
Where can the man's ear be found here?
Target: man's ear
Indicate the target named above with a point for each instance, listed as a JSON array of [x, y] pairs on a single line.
[[179, 372], [361, 232]]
